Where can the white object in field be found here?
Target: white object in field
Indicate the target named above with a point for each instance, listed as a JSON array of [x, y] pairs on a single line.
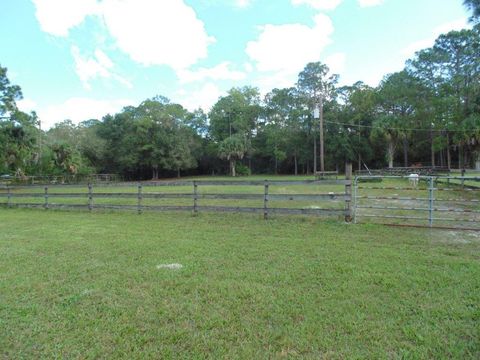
[[170, 266], [413, 180]]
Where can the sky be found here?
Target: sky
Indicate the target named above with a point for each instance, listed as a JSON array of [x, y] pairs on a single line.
[[82, 59]]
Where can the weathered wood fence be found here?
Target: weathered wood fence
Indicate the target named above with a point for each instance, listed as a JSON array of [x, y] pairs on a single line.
[[50, 195]]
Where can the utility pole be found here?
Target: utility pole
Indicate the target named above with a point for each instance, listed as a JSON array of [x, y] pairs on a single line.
[[318, 114], [314, 154], [322, 161]]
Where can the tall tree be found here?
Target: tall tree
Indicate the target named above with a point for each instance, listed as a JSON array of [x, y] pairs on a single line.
[[397, 104], [358, 109], [163, 140], [18, 133], [9, 94], [233, 119], [318, 86], [450, 69]]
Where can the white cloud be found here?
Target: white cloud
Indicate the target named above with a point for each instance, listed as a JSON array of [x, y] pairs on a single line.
[[204, 97], [409, 51], [282, 51], [319, 4], [369, 3], [220, 72], [336, 62], [151, 32], [289, 47], [425, 43], [243, 3], [26, 105], [277, 80], [79, 109], [57, 17], [158, 32], [458, 24], [248, 67], [98, 66]]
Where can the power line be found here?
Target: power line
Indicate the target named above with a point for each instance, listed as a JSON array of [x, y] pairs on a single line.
[[394, 128]]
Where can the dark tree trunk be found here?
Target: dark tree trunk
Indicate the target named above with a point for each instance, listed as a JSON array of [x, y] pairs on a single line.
[[432, 150], [449, 156], [460, 156], [390, 153], [405, 151], [155, 172], [296, 164]]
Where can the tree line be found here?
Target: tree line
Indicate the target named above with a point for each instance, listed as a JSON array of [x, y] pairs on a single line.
[[428, 113]]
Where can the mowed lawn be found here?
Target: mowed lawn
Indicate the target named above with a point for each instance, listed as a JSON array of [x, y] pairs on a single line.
[[86, 285]]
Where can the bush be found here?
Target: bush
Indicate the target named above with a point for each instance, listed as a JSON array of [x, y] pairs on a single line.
[[242, 170]]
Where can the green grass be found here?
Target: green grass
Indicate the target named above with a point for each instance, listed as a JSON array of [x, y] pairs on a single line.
[[81, 285]]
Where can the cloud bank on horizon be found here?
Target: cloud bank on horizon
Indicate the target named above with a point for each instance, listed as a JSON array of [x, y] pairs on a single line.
[[194, 51]]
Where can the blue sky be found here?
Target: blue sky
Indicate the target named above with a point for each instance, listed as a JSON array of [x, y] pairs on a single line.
[[81, 59]]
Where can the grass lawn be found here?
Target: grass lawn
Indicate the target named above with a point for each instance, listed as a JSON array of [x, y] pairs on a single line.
[[86, 285]]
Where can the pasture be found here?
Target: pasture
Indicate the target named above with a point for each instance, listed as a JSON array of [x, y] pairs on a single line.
[[89, 285]]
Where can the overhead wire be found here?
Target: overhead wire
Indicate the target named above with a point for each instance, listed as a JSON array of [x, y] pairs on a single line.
[[395, 128]]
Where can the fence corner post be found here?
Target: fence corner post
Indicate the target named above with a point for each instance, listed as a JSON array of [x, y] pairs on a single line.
[[265, 200], [45, 205], [195, 198], [431, 199], [348, 192], [139, 199], [90, 197], [9, 197]]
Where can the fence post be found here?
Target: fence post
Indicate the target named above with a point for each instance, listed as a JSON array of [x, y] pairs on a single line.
[[45, 205], [90, 197], [348, 192], [195, 197], [430, 201], [9, 197], [355, 189], [139, 198], [265, 200]]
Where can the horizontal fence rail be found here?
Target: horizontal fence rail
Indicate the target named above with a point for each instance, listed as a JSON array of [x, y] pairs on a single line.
[[432, 201], [139, 196]]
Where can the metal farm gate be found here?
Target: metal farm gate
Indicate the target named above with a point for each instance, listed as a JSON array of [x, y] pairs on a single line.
[[431, 201]]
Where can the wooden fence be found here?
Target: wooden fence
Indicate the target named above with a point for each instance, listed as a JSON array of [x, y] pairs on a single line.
[[14, 195], [404, 171]]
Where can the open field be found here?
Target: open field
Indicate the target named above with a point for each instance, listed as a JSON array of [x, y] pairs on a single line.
[[81, 285]]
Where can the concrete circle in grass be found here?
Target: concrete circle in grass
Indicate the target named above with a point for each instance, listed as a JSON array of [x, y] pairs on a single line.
[[175, 266]]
